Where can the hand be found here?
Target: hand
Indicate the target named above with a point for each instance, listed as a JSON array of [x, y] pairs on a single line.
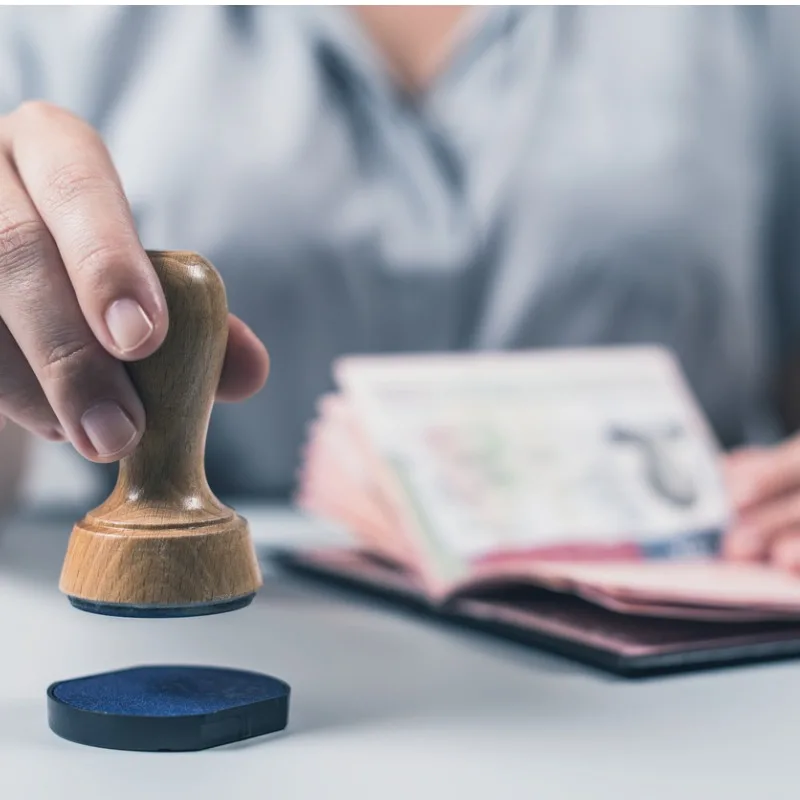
[[764, 484], [78, 294]]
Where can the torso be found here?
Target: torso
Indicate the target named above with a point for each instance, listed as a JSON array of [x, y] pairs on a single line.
[[576, 176]]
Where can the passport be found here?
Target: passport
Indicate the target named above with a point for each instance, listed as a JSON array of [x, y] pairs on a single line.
[[474, 482]]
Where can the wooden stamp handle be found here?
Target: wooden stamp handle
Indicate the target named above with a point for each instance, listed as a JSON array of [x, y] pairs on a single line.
[[163, 482]]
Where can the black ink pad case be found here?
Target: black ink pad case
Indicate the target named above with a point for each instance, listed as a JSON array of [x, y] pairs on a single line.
[[167, 708]]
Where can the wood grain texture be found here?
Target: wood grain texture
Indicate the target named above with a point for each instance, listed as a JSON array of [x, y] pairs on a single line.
[[162, 537]]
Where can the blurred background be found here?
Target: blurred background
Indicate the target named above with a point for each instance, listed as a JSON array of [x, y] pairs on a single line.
[[56, 478], [437, 179]]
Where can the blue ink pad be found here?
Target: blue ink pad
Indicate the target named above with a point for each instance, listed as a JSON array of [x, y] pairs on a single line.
[[167, 708]]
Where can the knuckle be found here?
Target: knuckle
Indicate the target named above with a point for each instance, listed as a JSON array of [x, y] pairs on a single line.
[[68, 182], [38, 109], [68, 359], [21, 244], [99, 261], [71, 181]]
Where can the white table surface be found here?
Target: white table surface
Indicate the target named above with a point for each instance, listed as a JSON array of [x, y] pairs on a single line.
[[383, 706]]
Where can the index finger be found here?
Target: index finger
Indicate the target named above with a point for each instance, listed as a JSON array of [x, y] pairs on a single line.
[[70, 178]]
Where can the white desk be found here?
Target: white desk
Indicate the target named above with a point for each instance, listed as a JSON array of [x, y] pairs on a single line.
[[383, 707]]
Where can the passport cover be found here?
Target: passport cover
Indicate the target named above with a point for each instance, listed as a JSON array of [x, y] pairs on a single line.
[[621, 644]]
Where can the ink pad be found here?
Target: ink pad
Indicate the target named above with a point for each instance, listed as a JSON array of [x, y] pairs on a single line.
[[167, 708]]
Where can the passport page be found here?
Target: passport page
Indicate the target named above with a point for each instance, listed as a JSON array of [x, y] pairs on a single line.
[[589, 454]]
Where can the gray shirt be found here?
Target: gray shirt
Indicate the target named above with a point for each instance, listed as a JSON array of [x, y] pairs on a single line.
[[575, 176]]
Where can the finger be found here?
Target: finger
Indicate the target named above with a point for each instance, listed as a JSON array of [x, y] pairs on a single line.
[[735, 465], [246, 364], [785, 551], [87, 388], [21, 397], [764, 474], [71, 180], [737, 469], [753, 535], [743, 455]]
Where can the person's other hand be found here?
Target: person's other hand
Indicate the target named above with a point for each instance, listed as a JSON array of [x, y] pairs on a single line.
[[78, 294], [764, 485]]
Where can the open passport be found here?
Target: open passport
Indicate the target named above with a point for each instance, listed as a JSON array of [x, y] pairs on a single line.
[[571, 499]]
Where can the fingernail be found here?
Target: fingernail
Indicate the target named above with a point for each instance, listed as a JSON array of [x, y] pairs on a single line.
[[109, 428], [128, 325]]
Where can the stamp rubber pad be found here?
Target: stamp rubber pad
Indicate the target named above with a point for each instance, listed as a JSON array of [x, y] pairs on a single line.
[[167, 708]]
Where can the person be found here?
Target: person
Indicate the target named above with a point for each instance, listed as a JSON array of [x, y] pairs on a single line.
[[376, 179]]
